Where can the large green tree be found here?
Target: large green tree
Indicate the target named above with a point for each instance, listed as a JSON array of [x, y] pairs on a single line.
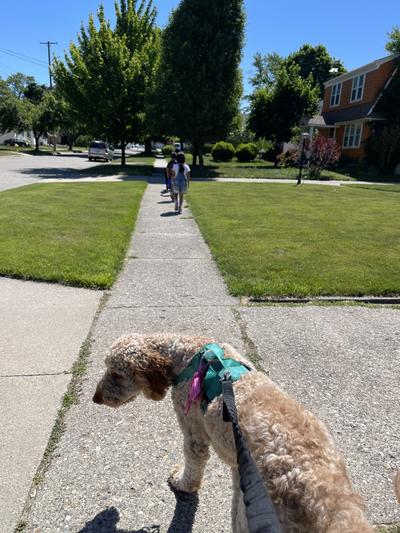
[[393, 45], [199, 80], [27, 106], [276, 110], [317, 62], [266, 68], [311, 60], [108, 73]]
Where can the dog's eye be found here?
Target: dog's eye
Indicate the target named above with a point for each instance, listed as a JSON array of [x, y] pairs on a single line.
[[116, 376]]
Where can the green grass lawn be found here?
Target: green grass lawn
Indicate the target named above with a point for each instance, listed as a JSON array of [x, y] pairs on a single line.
[[283, 240], [136, 165], [75, 234], [253, 170], [265, 169]]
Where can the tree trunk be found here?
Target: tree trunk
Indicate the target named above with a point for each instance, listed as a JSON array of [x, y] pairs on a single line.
[[195, 152], [277, 151], [123, 160], [147, 146], [37, 137], [200, 152]]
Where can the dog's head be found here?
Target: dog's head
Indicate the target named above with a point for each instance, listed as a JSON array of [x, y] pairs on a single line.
[[133, 366]]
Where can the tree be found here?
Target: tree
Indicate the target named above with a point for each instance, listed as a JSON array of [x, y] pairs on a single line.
[[199, 81], [107, 75], [316, 61], [18, 83], [275, 111], [28, 106], [266, 69], [393, 46]]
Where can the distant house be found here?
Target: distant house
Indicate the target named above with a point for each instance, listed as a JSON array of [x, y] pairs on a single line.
[[347, 112]]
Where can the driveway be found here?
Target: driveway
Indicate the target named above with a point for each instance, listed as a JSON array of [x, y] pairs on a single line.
[[16, 171]]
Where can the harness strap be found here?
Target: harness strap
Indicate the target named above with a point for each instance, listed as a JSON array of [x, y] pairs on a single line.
[[260, 512]]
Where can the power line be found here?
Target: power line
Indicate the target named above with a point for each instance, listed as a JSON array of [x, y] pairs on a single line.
[[48, 44], [36, 62], [25, 56]]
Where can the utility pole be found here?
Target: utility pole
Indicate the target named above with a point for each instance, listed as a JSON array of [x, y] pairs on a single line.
[[48, 44]]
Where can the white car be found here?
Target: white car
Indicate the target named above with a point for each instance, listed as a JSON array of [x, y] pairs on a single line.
[[100, 150]]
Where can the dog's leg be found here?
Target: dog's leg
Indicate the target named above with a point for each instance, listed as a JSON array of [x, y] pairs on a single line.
[[197, 452], [238, 511]]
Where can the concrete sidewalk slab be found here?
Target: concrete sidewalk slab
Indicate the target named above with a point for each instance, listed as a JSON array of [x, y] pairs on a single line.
[[344, 365], [28, 409], [43, 328], [168, 246], [151, 282]]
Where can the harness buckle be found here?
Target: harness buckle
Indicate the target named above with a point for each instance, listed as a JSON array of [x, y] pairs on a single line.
[[226, 377]]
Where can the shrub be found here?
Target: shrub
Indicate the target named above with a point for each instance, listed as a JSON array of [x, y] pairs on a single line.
[[207, 148], [223, 151], [324, 154], [168, 149], [290, 158], [83, 140], [246, 152]]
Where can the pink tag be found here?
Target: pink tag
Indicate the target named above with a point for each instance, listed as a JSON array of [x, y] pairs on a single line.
[[196, 386]]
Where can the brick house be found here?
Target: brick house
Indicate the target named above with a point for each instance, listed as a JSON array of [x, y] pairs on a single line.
[[347, 112]]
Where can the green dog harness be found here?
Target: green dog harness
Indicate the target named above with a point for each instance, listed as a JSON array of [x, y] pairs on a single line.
[[206, 370]]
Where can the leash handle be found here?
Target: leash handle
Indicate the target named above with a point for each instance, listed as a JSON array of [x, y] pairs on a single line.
[[260, 512]]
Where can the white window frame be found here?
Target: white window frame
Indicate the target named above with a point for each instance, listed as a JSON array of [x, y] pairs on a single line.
[[336, 93], [357, 88], [351, 132]]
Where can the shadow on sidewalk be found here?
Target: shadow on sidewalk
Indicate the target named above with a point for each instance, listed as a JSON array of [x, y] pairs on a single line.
[[185, 511], [182, 521], [106, 522]]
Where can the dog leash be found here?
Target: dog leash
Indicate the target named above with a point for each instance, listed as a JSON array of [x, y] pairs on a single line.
[[260, 512]]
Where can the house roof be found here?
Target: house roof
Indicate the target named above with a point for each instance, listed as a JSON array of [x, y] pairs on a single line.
[[349, 114], [374, 65]]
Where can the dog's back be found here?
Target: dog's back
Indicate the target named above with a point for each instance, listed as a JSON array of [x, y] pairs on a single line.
[[304, 472]]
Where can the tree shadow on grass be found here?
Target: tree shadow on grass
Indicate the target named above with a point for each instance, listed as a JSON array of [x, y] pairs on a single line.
[[73, 174]]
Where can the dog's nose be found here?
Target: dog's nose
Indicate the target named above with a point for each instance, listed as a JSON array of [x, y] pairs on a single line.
[[97, 398]]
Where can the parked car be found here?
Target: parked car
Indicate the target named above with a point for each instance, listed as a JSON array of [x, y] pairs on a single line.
[[10, 142], [23, 142], [100, 150], [17, 142]]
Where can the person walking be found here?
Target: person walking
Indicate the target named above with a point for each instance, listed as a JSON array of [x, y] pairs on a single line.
[[180, 180], [168, 169]]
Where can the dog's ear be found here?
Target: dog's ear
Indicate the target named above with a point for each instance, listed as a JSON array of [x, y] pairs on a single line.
[[153, 374]]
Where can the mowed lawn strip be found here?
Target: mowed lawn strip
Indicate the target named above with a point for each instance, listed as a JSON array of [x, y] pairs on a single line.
[[283, 240], [265, 169], [75, 234], [254, 170]]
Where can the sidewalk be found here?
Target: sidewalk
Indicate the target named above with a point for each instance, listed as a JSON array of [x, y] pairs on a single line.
[[113, 465], [42, 329], [110, 469]]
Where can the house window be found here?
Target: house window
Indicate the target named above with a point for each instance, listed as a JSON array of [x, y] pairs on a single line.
[[352, 135], [335, 94], [358, 88]]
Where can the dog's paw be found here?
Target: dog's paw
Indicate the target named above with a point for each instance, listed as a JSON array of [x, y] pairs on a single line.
[[179, 483]]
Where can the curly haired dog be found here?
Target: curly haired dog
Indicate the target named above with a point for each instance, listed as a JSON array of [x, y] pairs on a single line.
[[304, 473]]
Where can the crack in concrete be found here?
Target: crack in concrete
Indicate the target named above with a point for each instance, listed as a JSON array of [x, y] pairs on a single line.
[[64, 373]]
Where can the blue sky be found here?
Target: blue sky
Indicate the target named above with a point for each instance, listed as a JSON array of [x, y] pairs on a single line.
[[353, 30]]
